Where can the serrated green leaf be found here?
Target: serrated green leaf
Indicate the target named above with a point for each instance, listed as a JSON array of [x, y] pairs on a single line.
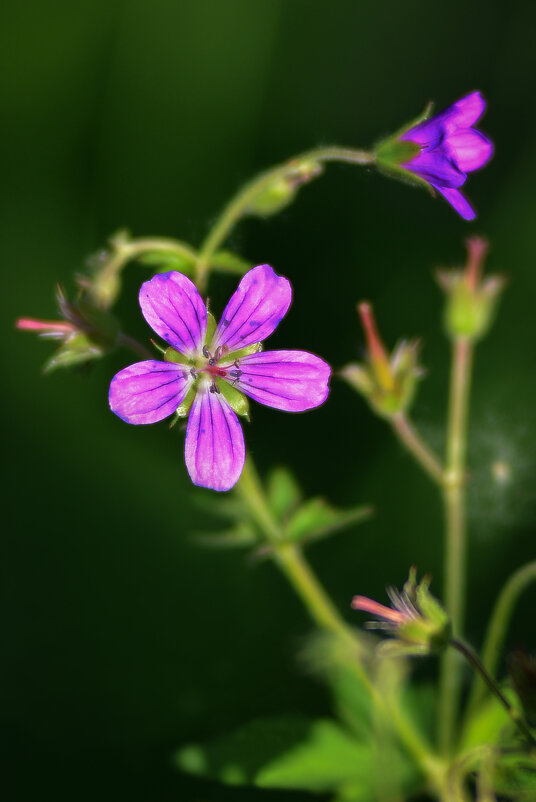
[[283, 492], [316, 519], [228, 262], [286, 753]]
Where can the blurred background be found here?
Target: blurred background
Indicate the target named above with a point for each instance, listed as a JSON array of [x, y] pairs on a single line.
[[121, 639]]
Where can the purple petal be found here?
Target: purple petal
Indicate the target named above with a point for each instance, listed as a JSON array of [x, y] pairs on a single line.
[[428, 132], [435, 167], [149, 391], [214, 449], [289, 380], [173, 308], [255, 309], [458, 201], [469, 148], [465, 112]]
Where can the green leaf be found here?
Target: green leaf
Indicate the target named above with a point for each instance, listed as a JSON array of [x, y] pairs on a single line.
[[78, 350], [168, 260], [487, 725], [316, 519], [283, 492], [286, 753], [515, 777], [228, 262], [239, 536]]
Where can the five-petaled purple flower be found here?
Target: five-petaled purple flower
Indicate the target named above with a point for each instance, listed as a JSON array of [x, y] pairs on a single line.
[[206, 368], [449, 149]]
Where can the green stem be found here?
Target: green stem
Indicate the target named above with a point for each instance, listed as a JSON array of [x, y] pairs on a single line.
[[326, 616], [238, 205], [498, 626], [418, 448], [475, 662], [455, 541], [103, 287]]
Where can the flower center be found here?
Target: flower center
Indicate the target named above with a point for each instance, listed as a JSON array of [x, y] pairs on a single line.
[[209, 366]]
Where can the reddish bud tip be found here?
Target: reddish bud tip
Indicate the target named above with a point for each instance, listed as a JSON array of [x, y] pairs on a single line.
[[477, 248]]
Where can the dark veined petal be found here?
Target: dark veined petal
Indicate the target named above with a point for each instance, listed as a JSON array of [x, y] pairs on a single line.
[[465, 112], [427, 133], [255, 309], [173, 308], [214, 449], [458, 201], [149, 391], [290, 380], [435, 167], [469, 149]]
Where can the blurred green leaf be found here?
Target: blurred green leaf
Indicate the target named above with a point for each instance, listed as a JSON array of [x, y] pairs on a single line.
[[316, 519], [515, 777], [287, 753], [228, 262], [239, 536], [487, 724], [168, 260], [78, 350], [283, 492]]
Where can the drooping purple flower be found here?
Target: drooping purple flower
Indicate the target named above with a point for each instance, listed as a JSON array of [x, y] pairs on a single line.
[[207, 368], [450, 148]]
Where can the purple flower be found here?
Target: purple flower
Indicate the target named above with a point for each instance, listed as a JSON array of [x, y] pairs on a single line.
[[207, 368], [449, 149]]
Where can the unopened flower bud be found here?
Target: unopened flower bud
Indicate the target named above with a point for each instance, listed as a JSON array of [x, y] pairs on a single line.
[[387, 381], [282, 190], [416, 620], [471, 299]]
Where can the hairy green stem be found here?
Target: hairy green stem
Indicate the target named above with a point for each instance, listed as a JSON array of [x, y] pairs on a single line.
[[476, 663], [239, 204], [498, 626], [455, 541], [418, 448], [326, 616]]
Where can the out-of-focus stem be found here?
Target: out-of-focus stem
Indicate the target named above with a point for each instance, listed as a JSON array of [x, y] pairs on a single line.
[[455, 541], [418, 448], [326, 616], [500, 618], [238, 205]]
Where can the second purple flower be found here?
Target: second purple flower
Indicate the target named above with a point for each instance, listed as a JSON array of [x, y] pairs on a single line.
[[207, 368]]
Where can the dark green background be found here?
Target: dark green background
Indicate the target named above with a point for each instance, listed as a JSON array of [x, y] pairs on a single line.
[[122, 640]]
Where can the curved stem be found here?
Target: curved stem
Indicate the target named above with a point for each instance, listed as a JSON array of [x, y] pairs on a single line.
[[455, 542], [498, 625], [238, 206], [475, 662], [326, 616], [418, 448]]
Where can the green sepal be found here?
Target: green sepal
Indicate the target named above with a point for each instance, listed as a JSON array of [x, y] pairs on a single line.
[[211, 328], [236, 399], [77, 350], [101, 325], [171, 355], [273, 198], [469, 311], [183, 410], [232, 356]]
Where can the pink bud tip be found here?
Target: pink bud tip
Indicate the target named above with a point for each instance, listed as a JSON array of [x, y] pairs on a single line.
[[477, 248], [380, 610], [43, 326]]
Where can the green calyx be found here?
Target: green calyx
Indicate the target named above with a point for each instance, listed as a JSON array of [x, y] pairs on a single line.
[[282, 190], [469, 310]]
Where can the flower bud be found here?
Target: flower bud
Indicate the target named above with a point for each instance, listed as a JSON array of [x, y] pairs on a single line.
[[387, 381], [416, 620], [282, 190], [471, 299]]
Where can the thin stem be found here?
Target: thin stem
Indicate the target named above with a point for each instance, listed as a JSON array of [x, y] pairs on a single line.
[[238, 205], [475, 662], [324, 613], [135, 346], [455, 542], [418, 448], [498, 626]]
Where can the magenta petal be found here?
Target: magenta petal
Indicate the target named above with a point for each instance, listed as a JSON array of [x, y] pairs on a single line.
[[458, 201], [214, 449], [435, 167], [290, 380], [469, 148], [255, 309], [173, 308], [465, 112], [149, 391], [429, 132]]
